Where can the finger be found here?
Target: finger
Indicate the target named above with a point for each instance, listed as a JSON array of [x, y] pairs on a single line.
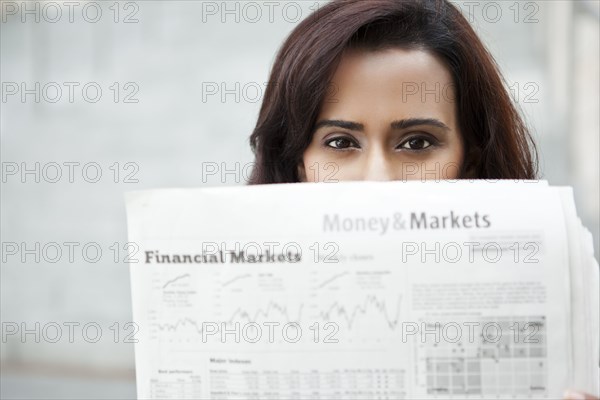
[[575, 395]]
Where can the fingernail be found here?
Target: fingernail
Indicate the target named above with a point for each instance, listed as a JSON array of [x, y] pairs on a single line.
[[573, 395]]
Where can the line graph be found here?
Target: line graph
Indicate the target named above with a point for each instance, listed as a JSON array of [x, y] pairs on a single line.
[[332, 279], [272, 312], [350, 314], [236, 279], [265, 313], [364, 304], [181, 322], [177, 278], [372, 308]]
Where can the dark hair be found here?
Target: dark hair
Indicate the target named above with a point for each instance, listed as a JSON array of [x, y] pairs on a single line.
[[498, 145]]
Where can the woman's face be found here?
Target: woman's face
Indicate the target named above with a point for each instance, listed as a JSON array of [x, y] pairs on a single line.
[[390, 115]]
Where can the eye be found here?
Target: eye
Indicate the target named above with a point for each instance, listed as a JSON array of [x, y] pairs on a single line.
[[416, 143], [341, 143]]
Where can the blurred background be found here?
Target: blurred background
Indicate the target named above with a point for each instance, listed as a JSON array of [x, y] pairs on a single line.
[[99, 98]]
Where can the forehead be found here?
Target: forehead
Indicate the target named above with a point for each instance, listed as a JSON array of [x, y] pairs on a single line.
[[389, 83]]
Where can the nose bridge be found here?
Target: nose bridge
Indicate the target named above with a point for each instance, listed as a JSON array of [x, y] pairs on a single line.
[[378, 166]]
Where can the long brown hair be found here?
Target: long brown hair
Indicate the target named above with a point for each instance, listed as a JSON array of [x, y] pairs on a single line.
[[498, 144]]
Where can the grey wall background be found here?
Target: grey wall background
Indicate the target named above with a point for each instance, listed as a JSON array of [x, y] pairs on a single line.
[[167, 53]]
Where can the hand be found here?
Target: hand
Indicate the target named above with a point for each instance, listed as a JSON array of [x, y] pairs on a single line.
[[575, 395]]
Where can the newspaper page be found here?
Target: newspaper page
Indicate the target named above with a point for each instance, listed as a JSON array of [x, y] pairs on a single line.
[[374, 290]]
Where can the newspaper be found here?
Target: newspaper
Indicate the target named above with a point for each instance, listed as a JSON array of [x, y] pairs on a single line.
[[363, 290]]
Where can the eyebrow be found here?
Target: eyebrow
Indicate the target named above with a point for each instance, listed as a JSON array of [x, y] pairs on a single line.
[[400, 124]]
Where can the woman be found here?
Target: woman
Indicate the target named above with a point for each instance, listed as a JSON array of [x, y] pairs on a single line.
[[388, 41], [388, 90]]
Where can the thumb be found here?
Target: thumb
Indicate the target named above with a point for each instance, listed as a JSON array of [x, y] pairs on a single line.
[[575, 395]]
